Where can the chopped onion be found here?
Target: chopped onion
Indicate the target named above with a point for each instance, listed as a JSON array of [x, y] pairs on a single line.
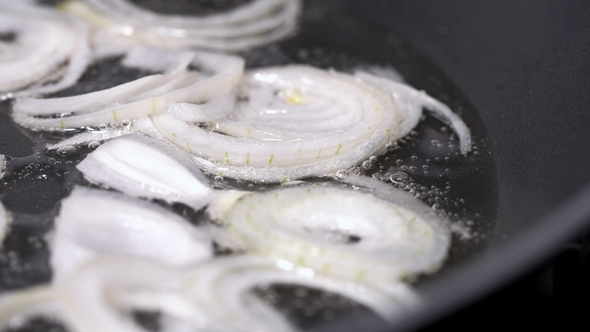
[[99, 223], [140, 98], [143, 167], [253, 24], [45, 41], [341, 233]]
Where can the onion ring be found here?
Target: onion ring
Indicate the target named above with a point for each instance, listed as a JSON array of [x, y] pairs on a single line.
[[341, 233], [88, 110], [253, 24], [44, 41]]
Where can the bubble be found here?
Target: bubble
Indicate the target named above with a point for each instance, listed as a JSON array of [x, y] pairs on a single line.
[[342, 173], [367, 164], [399, 161], [103, 127], [413, 168], [218, 178], [425, 167], [93, 144], [67, 150], [414, 157], [373, 159], [399, 177]]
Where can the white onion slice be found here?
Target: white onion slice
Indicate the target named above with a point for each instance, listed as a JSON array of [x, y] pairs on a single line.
[[2, 165], [143, 167], [88, 300], [189, 87], [223, 288], [341, 233], [253, 24], [45, 41], [99, 223], [410, 102], [4, 221], [365, 126], [19, 305]]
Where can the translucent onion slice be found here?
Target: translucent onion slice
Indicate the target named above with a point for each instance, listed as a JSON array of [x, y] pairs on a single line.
[[365, 126], [99, 223], [19, 305], [410, 103], [223, 287], [4, 221], [2, 165], [44, 42], [190, 87], [341, 233], [89, 297], [143, 167], [253, 24]]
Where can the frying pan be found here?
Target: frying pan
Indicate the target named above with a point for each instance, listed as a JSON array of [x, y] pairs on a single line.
[[518, 68]]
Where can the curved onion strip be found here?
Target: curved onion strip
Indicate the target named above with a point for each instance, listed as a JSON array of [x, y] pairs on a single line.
[[19, 305], [411, 101], [311, 228], [87, 302], [259, 22], [227, 71], [45, 40], [223, 287], [276, 160], [143, 167], [172, 63], [4, 221], [2, 165], [94, 222]]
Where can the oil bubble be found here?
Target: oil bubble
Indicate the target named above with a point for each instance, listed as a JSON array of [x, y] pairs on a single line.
[[399, 177]]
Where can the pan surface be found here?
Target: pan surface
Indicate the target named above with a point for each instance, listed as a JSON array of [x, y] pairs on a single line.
[[525, 78]]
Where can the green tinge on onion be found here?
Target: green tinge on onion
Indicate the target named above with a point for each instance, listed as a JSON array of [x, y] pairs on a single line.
[[140, 98], [340, 233]]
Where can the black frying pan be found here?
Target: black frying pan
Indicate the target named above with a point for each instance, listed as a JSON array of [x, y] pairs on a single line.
[[514, 70]]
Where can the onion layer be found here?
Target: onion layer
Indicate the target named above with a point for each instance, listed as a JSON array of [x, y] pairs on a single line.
[[97, 223], [148, 95], [144, 167], [44, 41], [256, 23], [341, 233], [4, 221]]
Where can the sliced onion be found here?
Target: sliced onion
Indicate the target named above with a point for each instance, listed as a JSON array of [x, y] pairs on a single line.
[[89, 297], [253, 24], [341, 233], [45, 41], [4, 221], [17, 306], [98, 223], [223, 288], [364, 126], [410, 102], [2, 165], [144, 167], [135, 101]]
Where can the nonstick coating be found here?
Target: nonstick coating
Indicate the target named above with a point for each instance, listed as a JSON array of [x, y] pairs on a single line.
[[524, 66]]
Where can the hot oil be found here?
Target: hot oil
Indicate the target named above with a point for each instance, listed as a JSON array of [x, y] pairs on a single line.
[[427, 163]]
